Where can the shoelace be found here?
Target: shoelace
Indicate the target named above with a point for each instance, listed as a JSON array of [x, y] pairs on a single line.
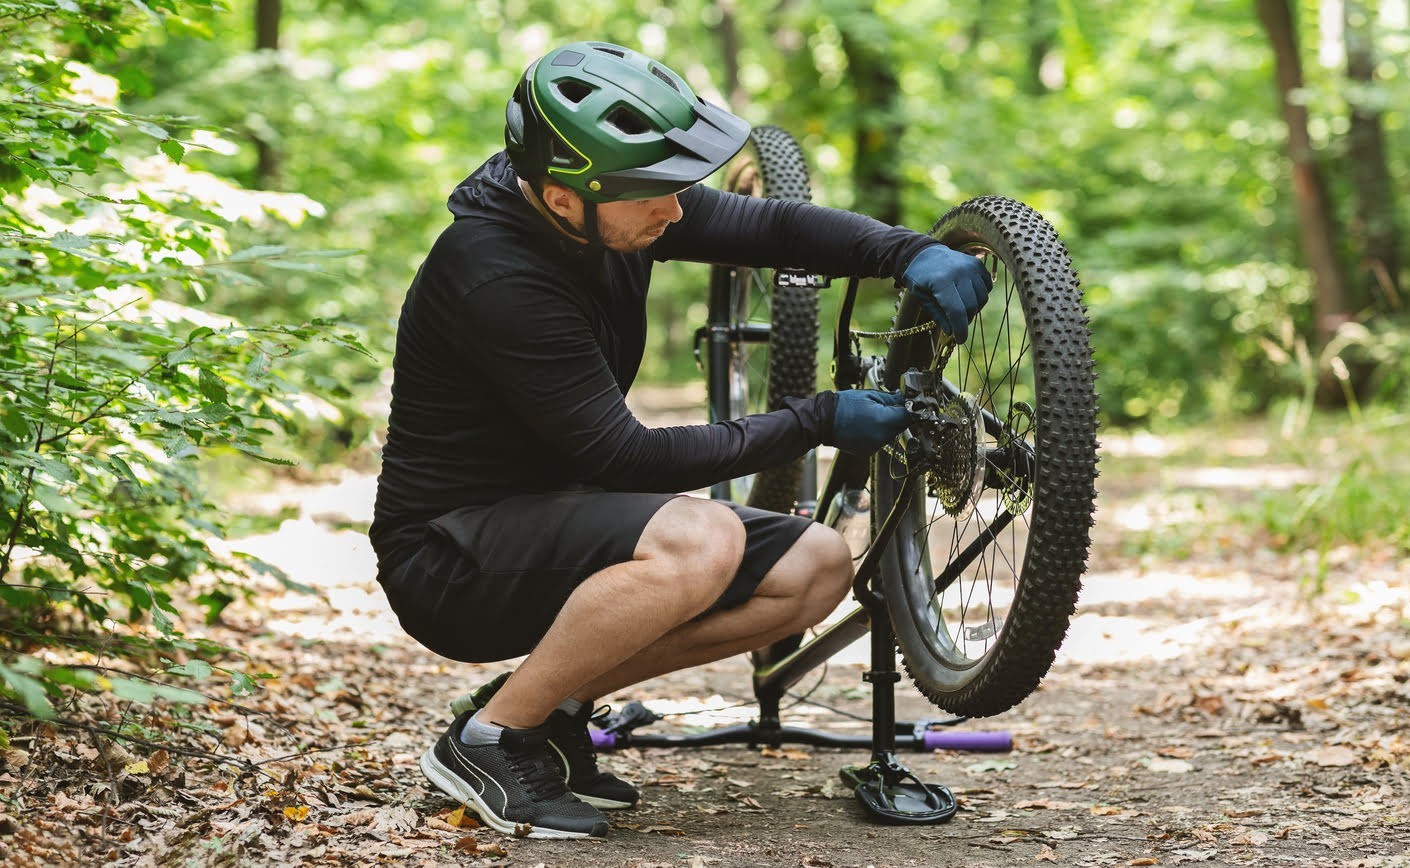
[[538, 776], [582, 742]]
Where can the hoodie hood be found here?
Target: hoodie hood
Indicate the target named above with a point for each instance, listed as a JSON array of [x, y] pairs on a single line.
[[492, 186]]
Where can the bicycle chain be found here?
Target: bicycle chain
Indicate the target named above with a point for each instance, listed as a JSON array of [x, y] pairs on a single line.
[[902, 333]]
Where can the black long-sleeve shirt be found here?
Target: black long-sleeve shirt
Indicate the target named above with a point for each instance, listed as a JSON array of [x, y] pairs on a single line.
[[516, 346]]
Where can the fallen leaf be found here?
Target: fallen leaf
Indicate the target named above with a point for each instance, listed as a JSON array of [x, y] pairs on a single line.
[[461, 820], [236, 735], [1177, 752], [784, 753], [816, 862], [469, 845], [662, 830], [494, 848], [159, 762], [1171, 766], [138, 768], [296, 813], [1250, 839], [1144, 860], [1333, 755], [1046, 854], [1345, 824]]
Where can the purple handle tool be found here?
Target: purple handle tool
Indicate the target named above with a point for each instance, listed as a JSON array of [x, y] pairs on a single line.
[[997, 741]]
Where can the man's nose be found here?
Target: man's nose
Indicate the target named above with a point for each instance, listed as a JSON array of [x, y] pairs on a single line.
[[670, 208]]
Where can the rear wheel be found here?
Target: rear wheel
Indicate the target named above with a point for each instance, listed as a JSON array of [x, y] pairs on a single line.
[[982, 577], [769, 334]]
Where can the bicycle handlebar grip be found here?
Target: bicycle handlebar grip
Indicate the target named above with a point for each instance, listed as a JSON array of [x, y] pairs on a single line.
[[603, 740], [999, 741]]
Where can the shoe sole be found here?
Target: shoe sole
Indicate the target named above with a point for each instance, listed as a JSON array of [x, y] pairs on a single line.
[[604, 804], [466, 702], [450, 783]]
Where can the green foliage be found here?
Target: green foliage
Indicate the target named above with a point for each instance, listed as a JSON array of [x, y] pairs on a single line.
[[1358, 492], [118, 373]]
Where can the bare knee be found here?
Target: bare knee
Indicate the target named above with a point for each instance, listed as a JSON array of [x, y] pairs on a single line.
[[814, 575], [699, 545], [828, 562]]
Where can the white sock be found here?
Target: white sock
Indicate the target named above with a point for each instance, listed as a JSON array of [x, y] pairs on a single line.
[[570, 706], [478, 732]]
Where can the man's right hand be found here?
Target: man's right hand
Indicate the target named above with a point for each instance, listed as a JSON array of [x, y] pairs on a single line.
[[952, 286], [867, 419]]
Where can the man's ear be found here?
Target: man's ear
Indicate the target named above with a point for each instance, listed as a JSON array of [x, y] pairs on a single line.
[[562, 201]]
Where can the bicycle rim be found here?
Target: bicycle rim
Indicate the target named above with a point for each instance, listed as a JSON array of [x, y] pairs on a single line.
[[984, 573]]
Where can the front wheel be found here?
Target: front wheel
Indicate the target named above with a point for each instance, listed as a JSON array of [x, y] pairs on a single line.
[[982, 577]]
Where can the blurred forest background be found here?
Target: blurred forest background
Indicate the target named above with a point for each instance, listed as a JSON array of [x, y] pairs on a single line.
[[209, 214]]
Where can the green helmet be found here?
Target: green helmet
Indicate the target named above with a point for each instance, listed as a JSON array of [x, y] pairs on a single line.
[[612, 124]]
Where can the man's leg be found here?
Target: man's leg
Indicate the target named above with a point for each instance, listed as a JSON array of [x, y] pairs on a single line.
[[633, 621], [684, 560], [804, 587]]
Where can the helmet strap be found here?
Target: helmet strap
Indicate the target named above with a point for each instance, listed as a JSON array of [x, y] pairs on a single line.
[[590, 230]]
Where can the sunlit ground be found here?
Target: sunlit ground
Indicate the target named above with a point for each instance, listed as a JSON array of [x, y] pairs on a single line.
[[1129, 611]]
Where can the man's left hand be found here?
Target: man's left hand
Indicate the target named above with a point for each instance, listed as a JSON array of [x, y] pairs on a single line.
[[952, 286]]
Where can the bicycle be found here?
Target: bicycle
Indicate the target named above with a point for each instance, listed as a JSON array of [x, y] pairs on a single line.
[[994, 483]]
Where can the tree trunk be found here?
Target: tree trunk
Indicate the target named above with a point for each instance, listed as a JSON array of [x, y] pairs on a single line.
[[878, 131], [1378, 236], [1309, 190], [728, 29], [1042, 33], [267, 17]]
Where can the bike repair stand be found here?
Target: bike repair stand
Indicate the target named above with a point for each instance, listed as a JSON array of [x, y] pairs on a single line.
[[886, 789]]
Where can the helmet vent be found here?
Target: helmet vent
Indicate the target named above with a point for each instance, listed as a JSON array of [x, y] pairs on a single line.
[[627, 121], [605, 49], [564, 157], [575, 91], [661, 74]]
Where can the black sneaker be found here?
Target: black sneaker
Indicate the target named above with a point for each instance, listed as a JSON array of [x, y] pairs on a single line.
[[514, 786], [571, 748]]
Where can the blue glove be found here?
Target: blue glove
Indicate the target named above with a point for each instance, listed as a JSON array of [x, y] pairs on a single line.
[[952, 287], [867, 419]]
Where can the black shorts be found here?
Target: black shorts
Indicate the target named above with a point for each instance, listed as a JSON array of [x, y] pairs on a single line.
[[488, 581]]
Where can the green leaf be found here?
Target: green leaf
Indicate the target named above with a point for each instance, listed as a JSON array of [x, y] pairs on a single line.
[[123, 469], [195, 668], [242, 684], [151, 129], [17, 425], [29, 690], [173, 149], [213, 388], [145, 692]]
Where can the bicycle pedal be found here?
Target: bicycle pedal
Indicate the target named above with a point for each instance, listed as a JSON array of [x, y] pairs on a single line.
[[632, 715]]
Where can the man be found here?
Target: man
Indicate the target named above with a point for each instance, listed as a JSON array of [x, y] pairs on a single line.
[[522, 509]]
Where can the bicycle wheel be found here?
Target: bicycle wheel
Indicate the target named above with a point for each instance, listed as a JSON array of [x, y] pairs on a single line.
[[1007, 466], [773, 331]]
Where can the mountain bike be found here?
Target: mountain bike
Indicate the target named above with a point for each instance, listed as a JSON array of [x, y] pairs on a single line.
[[971, 530]]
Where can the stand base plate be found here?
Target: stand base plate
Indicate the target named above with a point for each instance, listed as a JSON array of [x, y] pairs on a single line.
[[891, 794]]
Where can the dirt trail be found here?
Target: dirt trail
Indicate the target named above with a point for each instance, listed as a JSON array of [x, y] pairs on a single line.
[[1201, 711]]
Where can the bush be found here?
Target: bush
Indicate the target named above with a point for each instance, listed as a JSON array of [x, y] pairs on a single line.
[[117, 379]]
